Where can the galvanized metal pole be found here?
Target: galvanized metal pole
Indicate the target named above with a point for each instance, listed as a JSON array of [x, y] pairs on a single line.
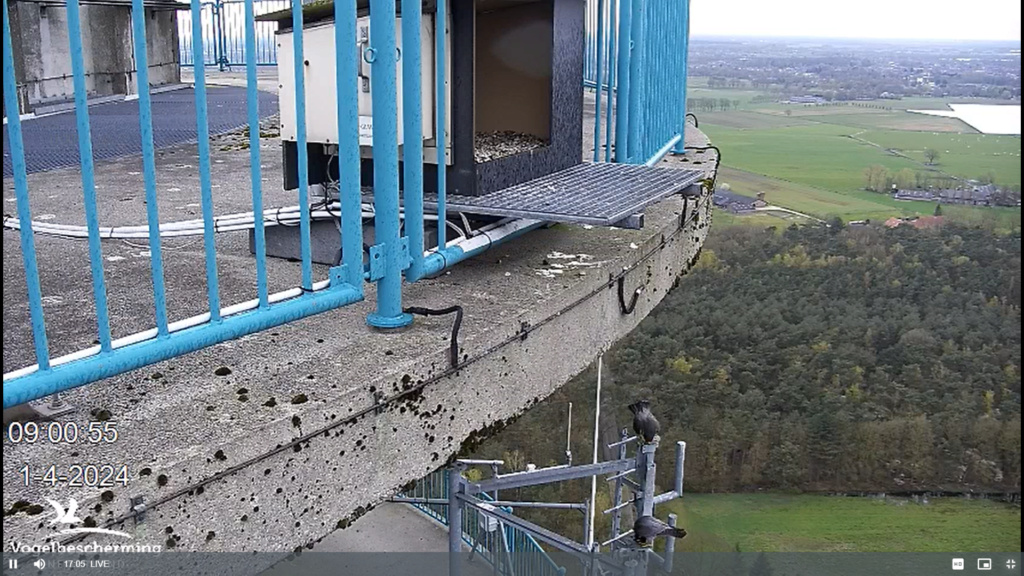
[[454, 520], [647, 508], [670, 546], [617, 499], [589, 541]]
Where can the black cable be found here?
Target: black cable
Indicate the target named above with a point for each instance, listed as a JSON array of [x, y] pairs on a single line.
[[710, 182], [457, 310], [627, 309], [696, 123]]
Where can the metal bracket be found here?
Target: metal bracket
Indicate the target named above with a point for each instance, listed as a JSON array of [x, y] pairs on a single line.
[[378, 258], [337, 275], [632, 222], [406, 260], [377, 264], [54, 408], [693, 190], [138, 507]]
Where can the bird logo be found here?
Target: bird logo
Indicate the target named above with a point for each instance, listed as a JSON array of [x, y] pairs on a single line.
[[62, 515], [66, 518]]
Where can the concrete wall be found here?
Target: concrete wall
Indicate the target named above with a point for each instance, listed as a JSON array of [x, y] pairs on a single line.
[[42, 53]]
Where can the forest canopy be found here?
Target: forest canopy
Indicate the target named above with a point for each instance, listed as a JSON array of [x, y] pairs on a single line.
[[820, 359]]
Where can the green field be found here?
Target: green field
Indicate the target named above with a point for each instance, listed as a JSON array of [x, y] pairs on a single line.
[[819, 155], [805, 523], [967, 155], [812, 158]]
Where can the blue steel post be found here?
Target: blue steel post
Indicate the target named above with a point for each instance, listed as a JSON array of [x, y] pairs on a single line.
[[305, 248], [99, 288], [440, 67], [206, 193], [156, 259], [684, 9], [348, 142], [412, 149], [636, 68], [600, 81], [28, 246], [255, 174], [613, 8], [622, 94], [383, 57]]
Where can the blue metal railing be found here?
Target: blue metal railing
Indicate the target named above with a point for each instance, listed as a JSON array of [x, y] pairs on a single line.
[[637, 48], [636, 51], [225, 34], [344, 284], [528, 557]]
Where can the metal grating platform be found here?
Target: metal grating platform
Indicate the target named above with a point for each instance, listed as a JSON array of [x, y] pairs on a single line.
[[597, 194], [51, 142]]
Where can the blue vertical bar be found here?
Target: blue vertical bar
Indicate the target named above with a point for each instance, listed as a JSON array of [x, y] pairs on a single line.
[[636, 80], [255, 174], [685, 10], [205, 191], [440, 71], [300, 143], [613, 8], [622, 94], [599, 81], [350, 194], [156, 261], [383, 56], [99, 289], [412, 150], [28, 246]]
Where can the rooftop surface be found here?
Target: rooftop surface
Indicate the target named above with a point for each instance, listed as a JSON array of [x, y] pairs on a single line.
[[275, 438]]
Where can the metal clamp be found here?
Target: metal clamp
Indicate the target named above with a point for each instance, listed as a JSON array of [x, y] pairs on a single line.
[[138, 508]]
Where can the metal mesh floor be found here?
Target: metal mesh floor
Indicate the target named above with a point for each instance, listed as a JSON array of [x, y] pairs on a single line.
[[51, 142], [597, 194]]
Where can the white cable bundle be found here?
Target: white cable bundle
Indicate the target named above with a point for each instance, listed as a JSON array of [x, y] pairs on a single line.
[[287, 216]]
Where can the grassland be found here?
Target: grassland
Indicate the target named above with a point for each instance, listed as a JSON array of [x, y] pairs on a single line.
[[799, 523], [812, 158]]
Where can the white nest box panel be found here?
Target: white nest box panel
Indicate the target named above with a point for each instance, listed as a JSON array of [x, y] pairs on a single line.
[[320, 81]]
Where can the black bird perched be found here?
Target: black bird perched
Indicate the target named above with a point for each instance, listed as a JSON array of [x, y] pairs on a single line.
[[647, 528], [644, 423]]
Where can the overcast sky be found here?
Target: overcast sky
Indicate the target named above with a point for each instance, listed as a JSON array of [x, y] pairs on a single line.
[[920, 19]]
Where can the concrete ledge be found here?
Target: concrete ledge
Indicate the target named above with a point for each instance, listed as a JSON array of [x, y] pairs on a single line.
[[309, 424]]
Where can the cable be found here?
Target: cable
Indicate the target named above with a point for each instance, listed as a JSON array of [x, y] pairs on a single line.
[[709, 183], [457, 310], [696, 123], [627, 309]]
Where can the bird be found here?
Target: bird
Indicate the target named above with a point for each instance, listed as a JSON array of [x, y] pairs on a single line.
[[647, 528], [644, 423]]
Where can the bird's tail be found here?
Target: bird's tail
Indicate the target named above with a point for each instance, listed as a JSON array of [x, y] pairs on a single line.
[[639, 406], [676, 532]]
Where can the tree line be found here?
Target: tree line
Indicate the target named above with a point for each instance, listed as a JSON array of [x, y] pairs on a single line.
[[816, 359]]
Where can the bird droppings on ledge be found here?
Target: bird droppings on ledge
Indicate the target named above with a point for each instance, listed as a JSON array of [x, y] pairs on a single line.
[[493, 145]]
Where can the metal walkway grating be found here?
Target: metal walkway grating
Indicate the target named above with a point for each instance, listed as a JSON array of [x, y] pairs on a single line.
[[597, 194], [51, 142]]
